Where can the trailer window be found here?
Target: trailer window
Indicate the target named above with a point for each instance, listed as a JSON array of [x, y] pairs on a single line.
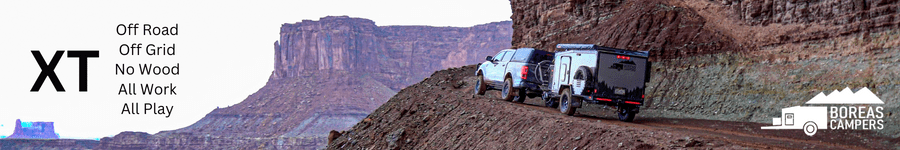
[[539, 55]]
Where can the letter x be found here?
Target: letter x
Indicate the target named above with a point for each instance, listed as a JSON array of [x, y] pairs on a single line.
[[47, 71]]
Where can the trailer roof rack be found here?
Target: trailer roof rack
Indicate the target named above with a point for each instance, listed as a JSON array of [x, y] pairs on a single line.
[[577, 46], [601, 48]]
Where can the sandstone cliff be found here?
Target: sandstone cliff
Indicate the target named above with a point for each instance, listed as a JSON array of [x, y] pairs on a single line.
[[732, 59], [329, 74], [396, 56]]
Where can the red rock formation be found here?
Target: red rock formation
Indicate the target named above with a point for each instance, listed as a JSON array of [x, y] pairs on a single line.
[[33, 130], [664, 30], [330, 74], [394, 55]]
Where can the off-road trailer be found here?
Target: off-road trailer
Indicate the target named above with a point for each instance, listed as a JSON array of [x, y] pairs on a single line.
[[587, 73]]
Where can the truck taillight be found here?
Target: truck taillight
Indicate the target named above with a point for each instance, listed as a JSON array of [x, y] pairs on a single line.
[[524, 72], [642, 96], [623, 57]]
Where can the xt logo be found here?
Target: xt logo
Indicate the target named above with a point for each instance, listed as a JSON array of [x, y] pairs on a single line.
[[47, 69]]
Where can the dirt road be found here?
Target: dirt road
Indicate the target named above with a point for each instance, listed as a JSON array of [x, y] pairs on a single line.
[[741, 133]]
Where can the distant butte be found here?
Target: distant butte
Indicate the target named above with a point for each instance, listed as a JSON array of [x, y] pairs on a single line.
[[33, 130]]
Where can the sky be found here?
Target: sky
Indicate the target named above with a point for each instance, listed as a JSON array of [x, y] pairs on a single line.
[[224, 50]]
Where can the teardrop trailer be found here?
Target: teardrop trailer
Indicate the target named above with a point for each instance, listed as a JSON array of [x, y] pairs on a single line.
[[587, 73]]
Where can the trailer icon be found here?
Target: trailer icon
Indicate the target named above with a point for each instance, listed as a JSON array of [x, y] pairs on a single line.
[[808, 118]]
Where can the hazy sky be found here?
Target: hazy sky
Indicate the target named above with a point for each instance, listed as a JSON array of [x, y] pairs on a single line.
[[224, 50]]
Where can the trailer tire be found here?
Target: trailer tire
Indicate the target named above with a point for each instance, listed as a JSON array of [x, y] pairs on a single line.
[[480, 87], [810, 128], [565, 103], [625, 114], [507, 93], [584, 73]]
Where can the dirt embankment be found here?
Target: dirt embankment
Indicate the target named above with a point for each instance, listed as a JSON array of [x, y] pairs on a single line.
[[441, 113]]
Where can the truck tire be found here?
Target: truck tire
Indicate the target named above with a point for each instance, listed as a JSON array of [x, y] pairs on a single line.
[[480, 87], [625, 114], [520, 97], [507, 92], [549, 102], [565, 102]]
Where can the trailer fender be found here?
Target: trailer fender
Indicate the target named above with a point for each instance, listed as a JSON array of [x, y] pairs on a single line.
[[575, 103]]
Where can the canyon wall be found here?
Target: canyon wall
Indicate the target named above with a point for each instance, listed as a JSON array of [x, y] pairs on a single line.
[[397, 56], [734, 60], [328, 75]]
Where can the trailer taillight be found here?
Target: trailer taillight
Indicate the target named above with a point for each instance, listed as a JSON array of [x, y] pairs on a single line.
[[524, 72], [642, 96], [623, 57], [604, 99], [630, 102]]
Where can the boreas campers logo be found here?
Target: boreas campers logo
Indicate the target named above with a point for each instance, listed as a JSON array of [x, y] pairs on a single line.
[[843, 110]]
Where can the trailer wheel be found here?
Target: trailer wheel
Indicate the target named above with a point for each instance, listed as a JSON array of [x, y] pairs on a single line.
[[549, 102], [479, 85], [810, 128], [625, 114], [520, 97], [507, 92], [565, 103]]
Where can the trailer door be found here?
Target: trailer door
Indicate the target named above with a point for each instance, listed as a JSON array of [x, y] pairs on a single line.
[[565, 67]]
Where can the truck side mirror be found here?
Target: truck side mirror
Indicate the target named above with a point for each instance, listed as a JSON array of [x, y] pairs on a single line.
[[489, 58]]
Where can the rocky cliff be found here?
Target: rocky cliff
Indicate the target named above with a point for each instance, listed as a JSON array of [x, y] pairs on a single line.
[[396, 56], [329, 74], [732, 59], [33, 130]]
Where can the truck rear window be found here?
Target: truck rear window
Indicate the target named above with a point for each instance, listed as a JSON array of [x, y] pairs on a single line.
[[539, 55], [522, 55]]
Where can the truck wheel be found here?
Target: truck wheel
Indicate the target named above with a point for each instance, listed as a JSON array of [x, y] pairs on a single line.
[[520, 97], [479, 85], [565, 103], [507, 92], [549, 102], [625, 114], [810, 128]]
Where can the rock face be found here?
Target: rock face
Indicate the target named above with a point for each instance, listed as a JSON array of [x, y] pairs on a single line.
[[396, 56], [33, 130], [667, 31], [329, 75], [734, 60]]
